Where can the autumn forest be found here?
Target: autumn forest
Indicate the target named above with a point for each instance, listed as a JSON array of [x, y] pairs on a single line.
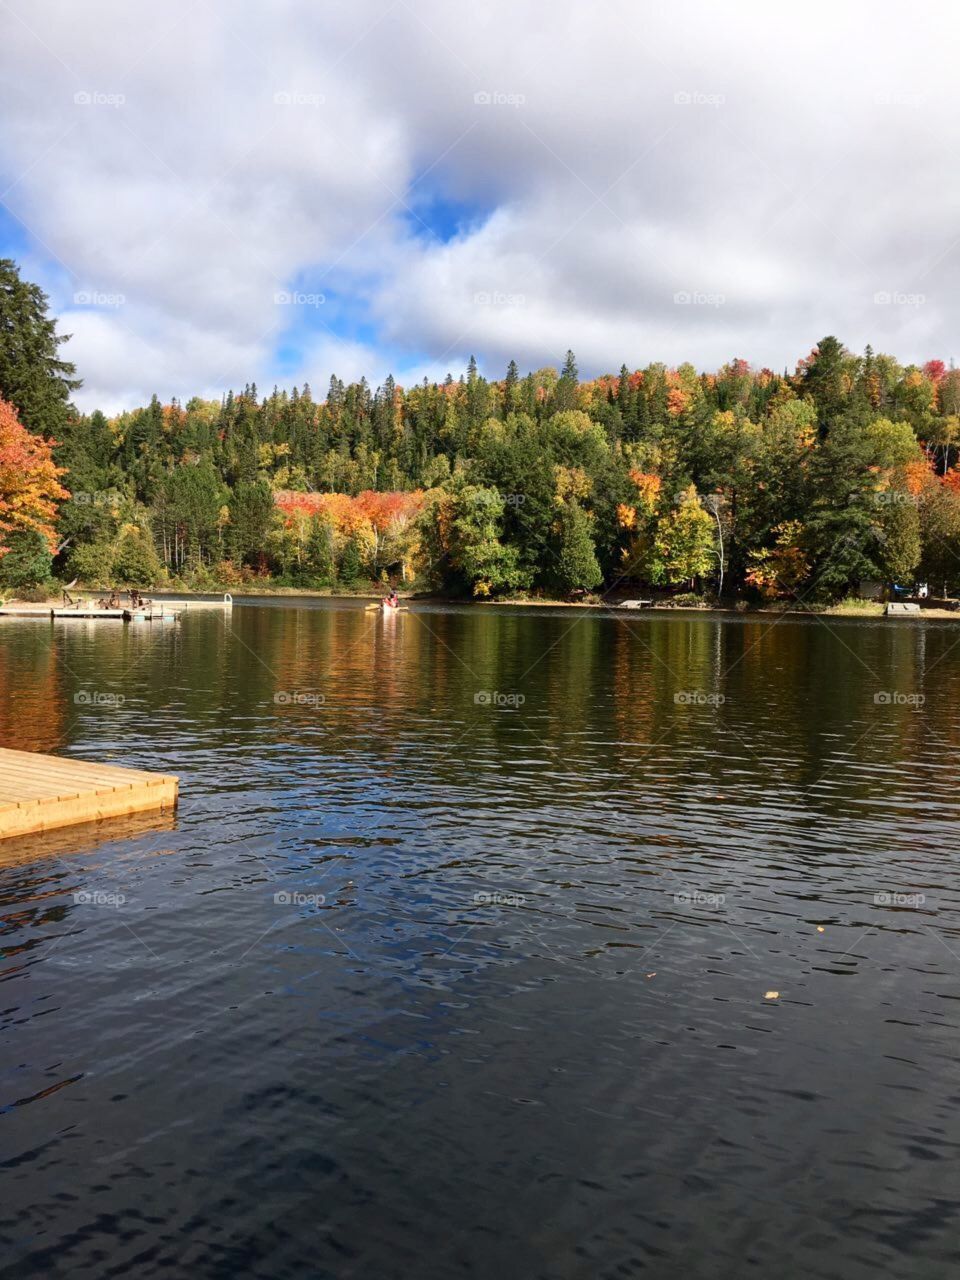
[[744, 483]]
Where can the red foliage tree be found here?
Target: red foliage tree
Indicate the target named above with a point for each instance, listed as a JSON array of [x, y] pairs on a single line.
[[29, 481]]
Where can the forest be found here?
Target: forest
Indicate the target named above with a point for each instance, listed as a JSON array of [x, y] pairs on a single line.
[[743, 483]]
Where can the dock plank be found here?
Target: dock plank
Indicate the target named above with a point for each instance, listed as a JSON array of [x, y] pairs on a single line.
[[12, 781], [40, 792], [77, 769]]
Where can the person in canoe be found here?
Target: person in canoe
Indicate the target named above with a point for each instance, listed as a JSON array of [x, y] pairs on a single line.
[[392, 601]]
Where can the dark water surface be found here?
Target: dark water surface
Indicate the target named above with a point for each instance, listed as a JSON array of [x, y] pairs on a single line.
[[426, 981]]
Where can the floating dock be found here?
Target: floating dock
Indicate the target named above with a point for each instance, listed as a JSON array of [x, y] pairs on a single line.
[[40, 792], [194, 602], [84, 612], [150, 613], [163, 609]]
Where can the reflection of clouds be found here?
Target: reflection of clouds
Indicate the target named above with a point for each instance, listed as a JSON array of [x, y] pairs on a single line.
[[594, 801]]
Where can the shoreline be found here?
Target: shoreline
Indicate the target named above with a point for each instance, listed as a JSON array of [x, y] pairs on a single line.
[[868, 610]]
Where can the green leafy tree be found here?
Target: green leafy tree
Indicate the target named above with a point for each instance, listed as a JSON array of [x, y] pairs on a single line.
[[135, 559], [684, 543], [940, 544], [91, 563], [472, 518], [27, 563], [899, 548], [576, 567], [517, 460]]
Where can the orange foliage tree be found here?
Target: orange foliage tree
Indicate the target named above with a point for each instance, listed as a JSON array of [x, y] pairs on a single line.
[[29, 482], [383, 523]]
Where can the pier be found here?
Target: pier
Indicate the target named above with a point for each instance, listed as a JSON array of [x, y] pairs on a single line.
[[40, 792], [161, 609]]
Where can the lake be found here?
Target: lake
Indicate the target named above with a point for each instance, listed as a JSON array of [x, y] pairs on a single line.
[[459, 957]]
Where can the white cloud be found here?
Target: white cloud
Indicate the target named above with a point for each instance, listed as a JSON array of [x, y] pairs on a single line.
[[792, 160]]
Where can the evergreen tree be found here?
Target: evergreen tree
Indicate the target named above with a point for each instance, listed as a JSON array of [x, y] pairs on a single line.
[[565, 395], [511, 384], [194, 497], [141, 450], [351, 561], [251, 515], [843, 524], [823, 379], [33, 378], [319, 554], [26, 562]]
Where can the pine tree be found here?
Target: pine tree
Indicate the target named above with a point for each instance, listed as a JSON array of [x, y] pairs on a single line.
[[351, 562], [510, 389], [141, 450], [251, 515], [565, 394], [27, 562], [319, 553], [842, 525], [33, 378], [823, 379]]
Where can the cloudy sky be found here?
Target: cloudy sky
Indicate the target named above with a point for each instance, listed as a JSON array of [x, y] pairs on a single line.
[[219, 191]]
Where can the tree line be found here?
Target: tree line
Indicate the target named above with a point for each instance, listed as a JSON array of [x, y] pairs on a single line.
[[745, 482]]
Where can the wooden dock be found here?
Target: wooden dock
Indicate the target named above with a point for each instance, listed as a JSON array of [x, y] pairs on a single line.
[[154, 612], [40, 792], [160, 609]]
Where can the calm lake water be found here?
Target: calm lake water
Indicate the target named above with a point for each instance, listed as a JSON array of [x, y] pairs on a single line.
[[455, 959]]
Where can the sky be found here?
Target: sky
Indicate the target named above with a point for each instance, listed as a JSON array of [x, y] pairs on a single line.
[[215, 192]]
